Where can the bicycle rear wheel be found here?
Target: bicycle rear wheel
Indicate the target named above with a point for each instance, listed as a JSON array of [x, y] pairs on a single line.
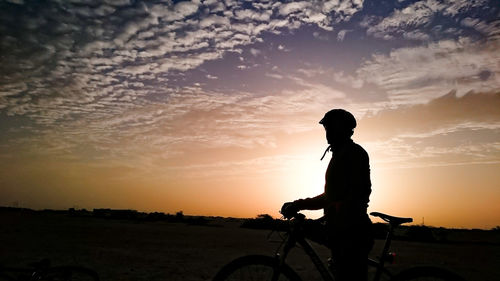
[[427, 273], [373, 267], [70, 273], [256, 268]]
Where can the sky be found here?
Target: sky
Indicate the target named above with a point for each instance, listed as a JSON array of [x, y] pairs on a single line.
[[212, 107]]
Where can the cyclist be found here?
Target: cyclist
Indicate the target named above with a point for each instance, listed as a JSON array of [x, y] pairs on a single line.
[[345, 199]]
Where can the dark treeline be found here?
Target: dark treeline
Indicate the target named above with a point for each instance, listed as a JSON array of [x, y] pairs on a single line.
[[416, 233], [420, 233], [116, 214]]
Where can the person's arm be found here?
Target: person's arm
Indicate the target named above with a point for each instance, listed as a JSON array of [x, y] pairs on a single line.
[[314, 203]]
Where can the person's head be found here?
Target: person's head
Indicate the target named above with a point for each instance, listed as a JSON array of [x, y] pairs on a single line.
[[339, 125]]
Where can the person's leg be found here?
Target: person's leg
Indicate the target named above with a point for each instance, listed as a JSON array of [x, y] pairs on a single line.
[[349, 261], [350, 249]]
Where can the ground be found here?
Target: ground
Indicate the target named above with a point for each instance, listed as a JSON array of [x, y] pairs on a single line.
[[130, 250]]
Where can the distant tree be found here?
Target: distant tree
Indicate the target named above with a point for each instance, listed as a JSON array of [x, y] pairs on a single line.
[[265, 217], [179, 216], [420, 233], [197, 221], [262, 221], [496, 228]]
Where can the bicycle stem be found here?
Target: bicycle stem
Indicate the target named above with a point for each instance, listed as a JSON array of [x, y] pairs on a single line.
[[385, 250]]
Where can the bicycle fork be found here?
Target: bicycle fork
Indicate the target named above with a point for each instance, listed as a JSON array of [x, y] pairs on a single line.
[[280, 258]]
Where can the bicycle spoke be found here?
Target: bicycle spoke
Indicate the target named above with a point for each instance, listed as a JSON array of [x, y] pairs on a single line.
[[255, 268], [70, 274], [252, 273]]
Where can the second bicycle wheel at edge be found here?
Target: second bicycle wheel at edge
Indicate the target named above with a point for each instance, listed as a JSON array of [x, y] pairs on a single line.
[[69, 273], [255, 268], [427, 273]]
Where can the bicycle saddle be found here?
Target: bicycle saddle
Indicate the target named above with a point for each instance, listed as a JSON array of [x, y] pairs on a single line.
[[394, 221]]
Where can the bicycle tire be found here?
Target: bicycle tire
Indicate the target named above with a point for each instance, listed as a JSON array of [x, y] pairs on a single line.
[[373, 267], [256, 268], [427, 273], [69, 273], [4, 277]]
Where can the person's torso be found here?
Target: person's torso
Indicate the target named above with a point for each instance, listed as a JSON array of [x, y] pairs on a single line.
[[347, 181]]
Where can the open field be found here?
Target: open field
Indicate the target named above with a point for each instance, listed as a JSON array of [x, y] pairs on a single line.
[[128, 250]]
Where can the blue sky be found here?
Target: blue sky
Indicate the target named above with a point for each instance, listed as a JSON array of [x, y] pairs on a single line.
[[158, 87]]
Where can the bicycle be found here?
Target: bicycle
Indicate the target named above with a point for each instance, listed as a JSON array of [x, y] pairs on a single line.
[[261, 267], [43, 271]]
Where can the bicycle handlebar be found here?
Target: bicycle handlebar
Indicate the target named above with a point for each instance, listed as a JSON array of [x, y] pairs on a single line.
[[294, 215]]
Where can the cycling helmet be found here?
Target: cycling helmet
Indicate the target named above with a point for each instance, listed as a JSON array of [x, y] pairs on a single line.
[[339, 117]]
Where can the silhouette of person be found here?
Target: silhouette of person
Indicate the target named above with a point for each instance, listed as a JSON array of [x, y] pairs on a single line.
[[345, 200]]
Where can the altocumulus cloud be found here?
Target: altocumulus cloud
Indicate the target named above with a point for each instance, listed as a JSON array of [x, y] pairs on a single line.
[[71, 57], [113, 77], [447, 130]]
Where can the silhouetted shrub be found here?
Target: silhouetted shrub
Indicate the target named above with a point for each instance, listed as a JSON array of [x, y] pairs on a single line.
[[441, 234], [101, 213], [420, 233], [78, 213], [156, 216], [263, 221], [197, 221], [115, 214], [179, 216], [265, 217]]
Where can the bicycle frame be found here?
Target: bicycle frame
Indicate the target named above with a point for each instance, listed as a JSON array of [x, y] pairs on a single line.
[[263, 265], [316, 260], [290, 242], [296, 236], [380, 263]]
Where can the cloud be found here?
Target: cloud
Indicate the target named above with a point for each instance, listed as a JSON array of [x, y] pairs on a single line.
[[353, 82], [185, 8], [418, 74], [491, 30], [255, 52], [229, 169], [66, 60], [112, 79], [447, 130], [324, 14], [416, 35], [321, 36], [281, 47], [416, 15], [341, 35], [293, 7], [121, 126], [446, 111], [214, 20]]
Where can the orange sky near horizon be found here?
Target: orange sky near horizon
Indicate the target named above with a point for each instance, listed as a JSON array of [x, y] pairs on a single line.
[[459, 195], [212, 107]]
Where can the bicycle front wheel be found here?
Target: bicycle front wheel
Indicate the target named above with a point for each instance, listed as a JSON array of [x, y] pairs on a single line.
[[427, 273], [69, 273], [256, 268]]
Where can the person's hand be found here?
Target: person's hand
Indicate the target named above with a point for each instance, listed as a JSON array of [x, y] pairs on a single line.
[[289, 209]]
